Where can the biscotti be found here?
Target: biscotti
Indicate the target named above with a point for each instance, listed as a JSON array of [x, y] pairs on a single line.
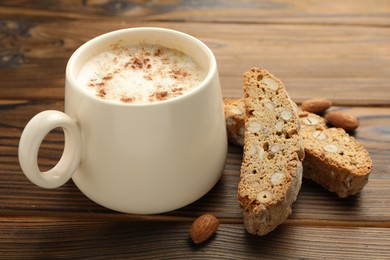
[[333, 159], [271, 171], [235, 120]]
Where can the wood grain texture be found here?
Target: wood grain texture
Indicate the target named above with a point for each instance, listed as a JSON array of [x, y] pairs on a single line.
[[59, 238], [332, 49], [348, 64], [349, 12]]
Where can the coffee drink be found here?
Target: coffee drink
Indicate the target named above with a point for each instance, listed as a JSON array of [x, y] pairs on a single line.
[[140, 74], [144, 126]]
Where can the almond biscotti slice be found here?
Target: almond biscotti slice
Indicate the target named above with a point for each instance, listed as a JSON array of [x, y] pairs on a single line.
[[345, 172], [333, 158], [235, 120], [271, 171]]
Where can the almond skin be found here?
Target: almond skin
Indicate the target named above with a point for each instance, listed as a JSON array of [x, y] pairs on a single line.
[[343, 120], [203, 228], [316, 105]]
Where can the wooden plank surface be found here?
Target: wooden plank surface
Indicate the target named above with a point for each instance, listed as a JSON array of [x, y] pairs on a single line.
[[328, 61], [59, 238], [349, 12], [334, 49]]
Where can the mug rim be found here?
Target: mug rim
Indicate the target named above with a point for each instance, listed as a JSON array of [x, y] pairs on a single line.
[[211, 72]]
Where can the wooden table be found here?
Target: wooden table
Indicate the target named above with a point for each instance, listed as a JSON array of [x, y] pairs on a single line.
[[334, 49]]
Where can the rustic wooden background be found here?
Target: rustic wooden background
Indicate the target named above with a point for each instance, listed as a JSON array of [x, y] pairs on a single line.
[[334, 49]]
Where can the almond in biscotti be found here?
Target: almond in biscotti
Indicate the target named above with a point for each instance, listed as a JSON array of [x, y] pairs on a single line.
[[319, 134], [316, 105], [343, 120], [308, 119]]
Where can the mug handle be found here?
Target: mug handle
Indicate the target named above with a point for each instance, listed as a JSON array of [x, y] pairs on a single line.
[[31, 139]]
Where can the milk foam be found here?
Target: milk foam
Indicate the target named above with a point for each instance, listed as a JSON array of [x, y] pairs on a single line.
[[140, 74]]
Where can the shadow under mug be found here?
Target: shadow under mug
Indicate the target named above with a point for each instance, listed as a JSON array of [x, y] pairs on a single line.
[[135, 158]]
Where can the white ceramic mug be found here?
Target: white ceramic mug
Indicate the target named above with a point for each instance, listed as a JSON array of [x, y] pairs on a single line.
[[135, 158]]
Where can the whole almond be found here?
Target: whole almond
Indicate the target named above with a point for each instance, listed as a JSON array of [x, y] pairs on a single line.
[[316, 105], [203, 228], [343, 120]]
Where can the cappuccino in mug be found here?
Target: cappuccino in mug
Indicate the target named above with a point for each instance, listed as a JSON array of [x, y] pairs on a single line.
[[144, 124], [140, 74]]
